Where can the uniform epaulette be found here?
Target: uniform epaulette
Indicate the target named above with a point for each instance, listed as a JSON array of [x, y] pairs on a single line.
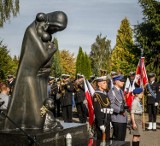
[[100, 101]]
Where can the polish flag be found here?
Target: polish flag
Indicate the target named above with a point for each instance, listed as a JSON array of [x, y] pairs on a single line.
[[141, 75], [128, 92], [89, 102], [89, 92], [90, 88]]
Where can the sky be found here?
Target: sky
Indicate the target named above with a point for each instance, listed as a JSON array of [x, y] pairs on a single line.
[[86, 20]]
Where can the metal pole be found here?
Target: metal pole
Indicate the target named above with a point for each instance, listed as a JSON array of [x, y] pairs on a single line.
[[141, 84], [68, 139]]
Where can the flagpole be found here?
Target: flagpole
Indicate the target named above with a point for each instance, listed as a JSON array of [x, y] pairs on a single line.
[[141, 84]]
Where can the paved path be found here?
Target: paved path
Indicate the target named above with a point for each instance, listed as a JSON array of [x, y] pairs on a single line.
[[148, 138]]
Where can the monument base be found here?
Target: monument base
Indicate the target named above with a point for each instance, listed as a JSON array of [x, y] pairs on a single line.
[[46, 138]]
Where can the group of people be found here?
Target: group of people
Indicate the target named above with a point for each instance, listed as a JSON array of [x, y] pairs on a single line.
[[6, 89], [115, 99], [68, 93], [109, 103]]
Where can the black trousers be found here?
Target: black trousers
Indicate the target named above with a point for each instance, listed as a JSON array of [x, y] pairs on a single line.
[[100, 134], [152, 112], [57, 108], [82, 112], [67, 113], [119, 131]]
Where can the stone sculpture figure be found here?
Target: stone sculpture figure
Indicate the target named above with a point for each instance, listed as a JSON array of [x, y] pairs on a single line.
[[30, 89], [50, 121]]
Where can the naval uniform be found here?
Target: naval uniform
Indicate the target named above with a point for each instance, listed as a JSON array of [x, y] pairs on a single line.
[[137, 110], [79, 101], [101, 103], [66, 101], [152, 109]]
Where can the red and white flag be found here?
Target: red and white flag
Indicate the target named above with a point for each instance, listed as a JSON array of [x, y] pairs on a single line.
[[141, 76], [89, 91], [90, 88], [90, 104], [128, 92]]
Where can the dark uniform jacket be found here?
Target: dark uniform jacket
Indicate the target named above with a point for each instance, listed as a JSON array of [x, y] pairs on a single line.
[[101, 101], [79, 93], [156, 90], [66, 98], [54, 90]]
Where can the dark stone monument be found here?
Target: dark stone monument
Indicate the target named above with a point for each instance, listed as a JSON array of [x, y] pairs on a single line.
[[24, 125], [30, 89]]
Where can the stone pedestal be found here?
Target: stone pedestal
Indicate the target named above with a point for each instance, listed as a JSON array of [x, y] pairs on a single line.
[[47, 138]]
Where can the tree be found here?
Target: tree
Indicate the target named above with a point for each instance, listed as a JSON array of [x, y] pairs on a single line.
[[87, 67], [14, 65], [79, 60], [147, 35], [7, 65], [8, 8], [83, 65], [100, 55], [68, 62], [123, 58], [56, 69]]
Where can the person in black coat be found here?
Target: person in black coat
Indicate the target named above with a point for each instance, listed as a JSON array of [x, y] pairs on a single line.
[[153, 96], [11, 82], [56, 98], [67, 89], [102, 110], [80, 99]]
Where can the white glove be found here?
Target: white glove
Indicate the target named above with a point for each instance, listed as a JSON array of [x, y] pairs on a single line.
[[156, 104], [85, 101], [103, 128], [58, 96], [111, 111]]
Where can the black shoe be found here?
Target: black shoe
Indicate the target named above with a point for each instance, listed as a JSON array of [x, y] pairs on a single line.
[[68, 121], [154, 129], [149, 129]]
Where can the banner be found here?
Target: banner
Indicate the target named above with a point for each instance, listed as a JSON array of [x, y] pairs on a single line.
[[141, 75], [128, 92], [89, 102]]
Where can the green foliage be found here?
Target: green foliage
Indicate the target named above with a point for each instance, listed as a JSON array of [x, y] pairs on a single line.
[[123, 55], [83, 65], [8, 8], [88, 71], [147, 35], [56, 69], [14, 66], [7, 64], [100, 55], [79, 64]]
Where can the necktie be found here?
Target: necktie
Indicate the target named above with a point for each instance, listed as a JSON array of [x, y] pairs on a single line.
[[120, 92]]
